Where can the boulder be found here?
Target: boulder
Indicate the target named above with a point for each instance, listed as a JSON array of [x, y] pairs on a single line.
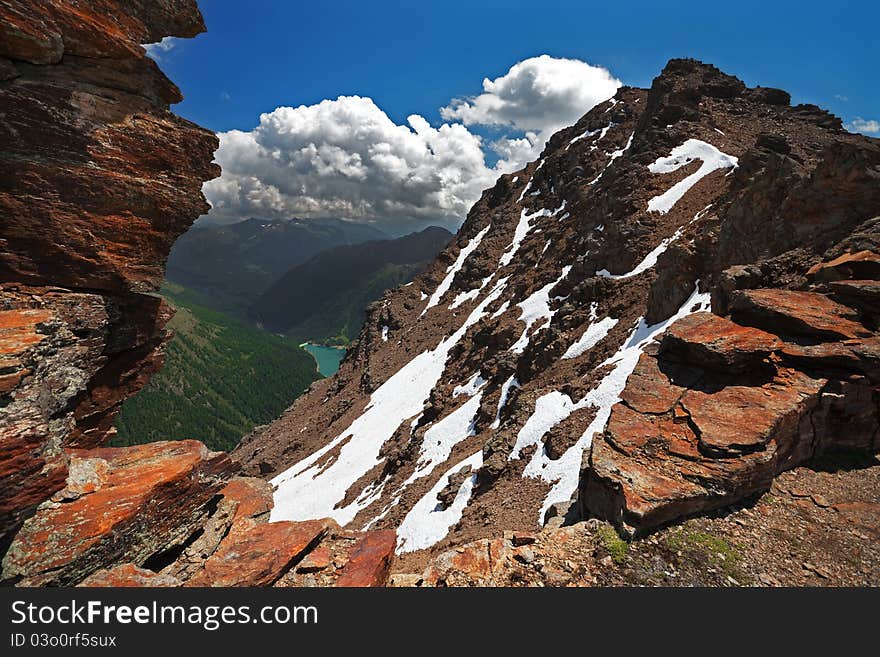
[[260, 555], [124, 504], [860, 265], [714, 342], [370, 561], [794, 313], [691, 439]]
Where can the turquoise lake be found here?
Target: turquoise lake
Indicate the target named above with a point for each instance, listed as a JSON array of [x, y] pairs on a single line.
[[328, 358]]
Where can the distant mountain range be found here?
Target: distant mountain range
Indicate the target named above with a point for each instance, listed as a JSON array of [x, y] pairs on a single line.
[[324, 299], [230, 266]]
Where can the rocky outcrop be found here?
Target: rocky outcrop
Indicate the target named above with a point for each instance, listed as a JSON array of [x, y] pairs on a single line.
[[721, 408], [174, 514], [97, 179], [260, 555], [119, 504], [518, 381]]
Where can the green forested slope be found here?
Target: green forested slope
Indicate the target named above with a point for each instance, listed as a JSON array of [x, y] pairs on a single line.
[[220, 379]]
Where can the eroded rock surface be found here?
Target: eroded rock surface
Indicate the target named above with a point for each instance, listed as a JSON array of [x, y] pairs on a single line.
[[753, 403], [97, 179], [521, 382]]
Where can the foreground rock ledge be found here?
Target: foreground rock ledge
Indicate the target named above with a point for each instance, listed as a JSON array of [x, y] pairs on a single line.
[[722, 407], [120, 504]]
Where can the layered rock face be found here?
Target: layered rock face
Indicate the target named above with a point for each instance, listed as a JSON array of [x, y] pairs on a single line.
[[97, 179], [521, 378]]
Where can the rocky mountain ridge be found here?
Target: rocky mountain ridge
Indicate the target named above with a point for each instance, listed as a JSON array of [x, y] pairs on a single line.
[[519, 380]]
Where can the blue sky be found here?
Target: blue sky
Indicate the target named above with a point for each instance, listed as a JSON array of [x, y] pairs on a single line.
[[407, 58], [413, 57]]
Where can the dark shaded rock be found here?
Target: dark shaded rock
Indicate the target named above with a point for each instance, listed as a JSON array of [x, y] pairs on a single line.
[[711, 341], [796, 313]]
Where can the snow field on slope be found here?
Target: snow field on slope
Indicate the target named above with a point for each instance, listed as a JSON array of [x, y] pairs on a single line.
[[308, 490], [554, 406], [693, 149]]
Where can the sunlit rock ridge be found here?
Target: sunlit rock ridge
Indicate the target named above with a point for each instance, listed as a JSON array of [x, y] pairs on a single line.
[[529, 374]]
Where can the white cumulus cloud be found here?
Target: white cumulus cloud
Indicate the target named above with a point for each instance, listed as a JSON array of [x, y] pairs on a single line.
[[347, 158], [865, 126], [537, 96], [156, 50]]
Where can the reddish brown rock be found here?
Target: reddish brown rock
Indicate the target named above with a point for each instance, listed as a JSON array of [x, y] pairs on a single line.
[[318, 559], [795, 313], [711, 341], [370, 562], [740, 419], [644, 395], [97, 179], [121, 504], [861, 265], [474, 564], [260, 555], [128, 575], [864, 295], [252, 498], [522, 538], [243, 502], [669, 452], [843, 358]]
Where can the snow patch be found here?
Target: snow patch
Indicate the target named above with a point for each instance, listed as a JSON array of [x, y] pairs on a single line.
[[693, 149], [470, 295], [592, 336], [613, 156], [506, 387], [522, 229], [384, 333], [501, 310], [307, 490], [426, 523], [535, 307], [454, 268], [584, 135], [471, 387]]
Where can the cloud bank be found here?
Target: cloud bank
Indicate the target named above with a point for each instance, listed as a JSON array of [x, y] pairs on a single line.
[[865, 126], [538, 97], [347, 158]]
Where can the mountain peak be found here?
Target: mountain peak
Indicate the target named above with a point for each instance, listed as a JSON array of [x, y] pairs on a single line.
[[472, 398]]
